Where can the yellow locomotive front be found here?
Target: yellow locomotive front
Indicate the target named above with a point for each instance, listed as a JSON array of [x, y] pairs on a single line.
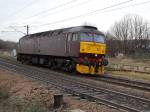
[[92, 54]]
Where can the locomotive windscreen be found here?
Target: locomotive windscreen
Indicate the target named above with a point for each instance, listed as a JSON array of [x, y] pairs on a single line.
[[89, 37]]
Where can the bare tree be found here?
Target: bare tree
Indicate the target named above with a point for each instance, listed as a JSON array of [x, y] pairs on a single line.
[[133, 33], [7, 45]]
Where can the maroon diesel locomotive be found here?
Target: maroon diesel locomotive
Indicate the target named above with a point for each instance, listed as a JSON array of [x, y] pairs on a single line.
[[80, 48]]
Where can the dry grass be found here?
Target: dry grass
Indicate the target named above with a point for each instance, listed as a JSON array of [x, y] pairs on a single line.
[[7, 55], [11, 99], [133, 75], [10, 103], [16, 104], [130, 61]]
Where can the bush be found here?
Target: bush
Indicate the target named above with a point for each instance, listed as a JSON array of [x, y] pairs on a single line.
[[35, 106], [15, 104], [4, 94], [7, 45], [140, 54]]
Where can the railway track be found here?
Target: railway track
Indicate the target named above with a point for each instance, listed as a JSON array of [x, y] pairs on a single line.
[[140, 85], [101, 95]]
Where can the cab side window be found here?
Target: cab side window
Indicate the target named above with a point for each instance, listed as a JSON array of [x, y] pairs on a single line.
[[75, 37], [69, 37]]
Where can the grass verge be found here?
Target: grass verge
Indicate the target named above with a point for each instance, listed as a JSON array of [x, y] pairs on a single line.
[[133, 75], [16, 104]]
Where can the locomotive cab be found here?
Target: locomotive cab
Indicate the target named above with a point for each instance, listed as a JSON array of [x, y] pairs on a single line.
[[92, 53]]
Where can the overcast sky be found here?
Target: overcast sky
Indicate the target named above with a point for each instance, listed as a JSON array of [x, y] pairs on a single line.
[[42, 15]]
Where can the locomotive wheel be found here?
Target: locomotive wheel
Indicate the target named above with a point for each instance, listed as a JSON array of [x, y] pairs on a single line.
[[68, 66], [50, 64], [22, 62], [53, 64]]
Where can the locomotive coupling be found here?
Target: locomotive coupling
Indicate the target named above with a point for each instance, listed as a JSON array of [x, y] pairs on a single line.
[[104, 62]]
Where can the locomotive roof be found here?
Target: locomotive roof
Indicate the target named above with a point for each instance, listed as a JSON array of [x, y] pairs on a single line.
[[67, 30]]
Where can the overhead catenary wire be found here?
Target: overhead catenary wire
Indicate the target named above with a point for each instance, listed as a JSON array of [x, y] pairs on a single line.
[[19, 11], [26, 6], [137, 4], [50, 9], [80, 3], [111, 9], [85, 14]]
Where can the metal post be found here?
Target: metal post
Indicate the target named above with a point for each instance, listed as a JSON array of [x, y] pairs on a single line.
[[58, 100], [27, 29]]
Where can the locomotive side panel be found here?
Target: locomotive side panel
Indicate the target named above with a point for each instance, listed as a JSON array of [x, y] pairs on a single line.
[[26, 46], [54, 46]]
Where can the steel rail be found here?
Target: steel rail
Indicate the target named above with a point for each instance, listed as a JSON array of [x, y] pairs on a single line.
[[124, 82]]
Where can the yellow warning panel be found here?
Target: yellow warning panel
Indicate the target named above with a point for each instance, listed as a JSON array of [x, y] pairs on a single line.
[[100, 70], [92, 47], [83, 69]]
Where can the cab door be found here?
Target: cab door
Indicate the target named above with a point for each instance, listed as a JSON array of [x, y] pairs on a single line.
[[73, 44], [68, 40]]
